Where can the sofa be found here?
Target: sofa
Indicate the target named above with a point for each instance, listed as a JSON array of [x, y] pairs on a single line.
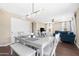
[[66, 36]]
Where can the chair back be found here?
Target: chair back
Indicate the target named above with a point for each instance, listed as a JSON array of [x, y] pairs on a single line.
[[55, 43]]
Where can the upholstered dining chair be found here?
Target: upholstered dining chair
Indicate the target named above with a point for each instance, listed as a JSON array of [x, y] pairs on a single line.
[[50, 50]]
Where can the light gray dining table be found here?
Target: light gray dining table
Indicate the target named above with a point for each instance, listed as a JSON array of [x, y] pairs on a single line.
[[39, 43]]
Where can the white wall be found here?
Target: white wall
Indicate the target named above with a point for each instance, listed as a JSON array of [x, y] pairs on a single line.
[[20, 25], [73, 25], [4, 27]]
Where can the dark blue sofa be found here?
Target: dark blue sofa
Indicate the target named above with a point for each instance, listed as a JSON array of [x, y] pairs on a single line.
[[66, 36]]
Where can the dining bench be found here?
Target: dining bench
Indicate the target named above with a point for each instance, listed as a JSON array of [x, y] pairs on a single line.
[[22, 50]]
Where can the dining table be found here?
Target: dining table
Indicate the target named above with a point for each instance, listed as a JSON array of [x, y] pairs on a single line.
[[40, 42]]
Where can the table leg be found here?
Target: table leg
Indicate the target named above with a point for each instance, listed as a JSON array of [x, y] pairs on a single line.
[[11, 51]]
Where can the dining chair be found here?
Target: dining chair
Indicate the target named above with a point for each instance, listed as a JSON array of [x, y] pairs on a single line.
[[50, 50], [53, 51]]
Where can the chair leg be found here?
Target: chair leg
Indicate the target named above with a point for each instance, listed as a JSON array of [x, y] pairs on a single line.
[[54, 54], [38, 52]]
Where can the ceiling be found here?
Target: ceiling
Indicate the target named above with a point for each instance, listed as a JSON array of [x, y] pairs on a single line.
[[47, 11]]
